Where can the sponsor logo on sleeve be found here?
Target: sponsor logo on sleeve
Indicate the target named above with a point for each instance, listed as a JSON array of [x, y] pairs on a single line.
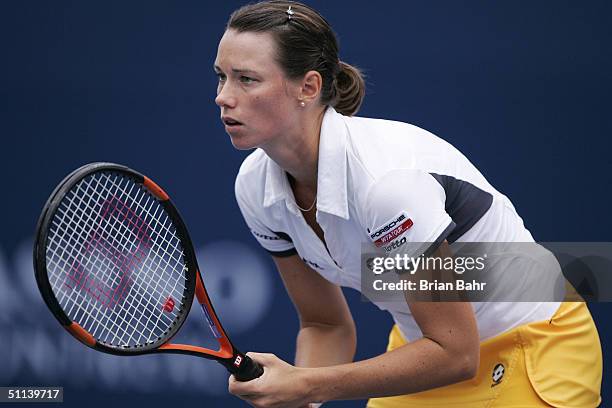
[[395, 244], [263, 236], [391, 230]]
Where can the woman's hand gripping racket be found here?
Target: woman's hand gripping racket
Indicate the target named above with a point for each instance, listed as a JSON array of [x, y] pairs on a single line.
[[115, 265]]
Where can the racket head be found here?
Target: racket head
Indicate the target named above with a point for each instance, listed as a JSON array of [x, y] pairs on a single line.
[[106, 240]]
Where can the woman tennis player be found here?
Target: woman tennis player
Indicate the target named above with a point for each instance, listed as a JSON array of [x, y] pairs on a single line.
[[322, 181]]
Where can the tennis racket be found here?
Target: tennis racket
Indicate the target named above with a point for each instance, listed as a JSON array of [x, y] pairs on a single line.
[[115, 265]]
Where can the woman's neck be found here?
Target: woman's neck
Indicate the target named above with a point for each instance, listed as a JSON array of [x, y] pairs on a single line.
[[298, 153]]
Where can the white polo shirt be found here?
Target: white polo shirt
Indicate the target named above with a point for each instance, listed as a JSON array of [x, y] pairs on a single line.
[[370, 172]]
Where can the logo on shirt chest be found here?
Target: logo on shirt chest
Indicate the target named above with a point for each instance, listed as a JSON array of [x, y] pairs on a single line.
[[391, 230]]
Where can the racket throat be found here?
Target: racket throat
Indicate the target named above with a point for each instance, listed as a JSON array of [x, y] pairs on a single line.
[[211, 323]]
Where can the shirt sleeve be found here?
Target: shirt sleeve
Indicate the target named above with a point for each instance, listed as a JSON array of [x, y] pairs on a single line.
[[277, 243], [405, 212]]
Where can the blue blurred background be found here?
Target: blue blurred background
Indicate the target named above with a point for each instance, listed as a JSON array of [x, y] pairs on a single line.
[[522, 88]]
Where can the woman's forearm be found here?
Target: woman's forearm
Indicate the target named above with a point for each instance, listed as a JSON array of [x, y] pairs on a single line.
[[418, 366], [320, 345]]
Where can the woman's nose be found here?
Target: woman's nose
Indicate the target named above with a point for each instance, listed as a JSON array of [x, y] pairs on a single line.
[[224, 97]]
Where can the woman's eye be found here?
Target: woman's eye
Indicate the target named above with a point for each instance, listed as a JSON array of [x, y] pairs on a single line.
[[246, 80], [221, 77]]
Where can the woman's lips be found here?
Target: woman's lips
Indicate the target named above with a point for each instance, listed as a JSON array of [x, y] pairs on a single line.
[[229, 121]]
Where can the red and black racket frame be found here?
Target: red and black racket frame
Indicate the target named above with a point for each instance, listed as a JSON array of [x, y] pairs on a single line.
[[237, 363]]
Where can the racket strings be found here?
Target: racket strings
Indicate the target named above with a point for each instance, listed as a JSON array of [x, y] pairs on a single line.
[[115, 261], [104, 243], [140, 304], [131, 328], [139, 308]]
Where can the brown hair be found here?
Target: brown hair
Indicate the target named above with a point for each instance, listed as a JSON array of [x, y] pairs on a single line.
[[305, 42]]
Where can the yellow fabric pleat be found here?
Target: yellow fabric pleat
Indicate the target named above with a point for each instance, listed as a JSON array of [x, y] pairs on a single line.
[[556, 362]]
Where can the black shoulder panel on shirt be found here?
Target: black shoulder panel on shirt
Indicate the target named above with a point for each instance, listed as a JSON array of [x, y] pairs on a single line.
[[465, 203]]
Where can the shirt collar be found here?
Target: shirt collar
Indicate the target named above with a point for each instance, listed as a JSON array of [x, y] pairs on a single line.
[[277, 185], [331, 183]]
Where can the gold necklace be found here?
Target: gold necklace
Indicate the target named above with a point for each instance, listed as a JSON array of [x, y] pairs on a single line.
[[309, 208]]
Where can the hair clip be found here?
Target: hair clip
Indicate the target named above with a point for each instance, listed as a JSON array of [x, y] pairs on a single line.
[[290, 13]]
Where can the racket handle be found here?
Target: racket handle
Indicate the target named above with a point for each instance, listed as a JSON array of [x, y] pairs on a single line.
[[246, 370], [249, 370]]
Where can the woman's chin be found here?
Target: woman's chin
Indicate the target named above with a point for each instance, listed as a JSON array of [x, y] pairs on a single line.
[[241, 142]]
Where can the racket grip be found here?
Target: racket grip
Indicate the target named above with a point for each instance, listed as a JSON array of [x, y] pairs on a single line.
[[248, 370], [245, 370]]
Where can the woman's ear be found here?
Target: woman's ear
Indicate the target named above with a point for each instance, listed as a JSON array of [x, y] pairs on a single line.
[[311, 86]]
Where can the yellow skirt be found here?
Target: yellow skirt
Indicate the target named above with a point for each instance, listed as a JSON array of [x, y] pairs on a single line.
[[554, 363]]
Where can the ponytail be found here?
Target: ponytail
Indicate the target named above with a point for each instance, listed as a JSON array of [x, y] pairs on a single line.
[[349, 89]]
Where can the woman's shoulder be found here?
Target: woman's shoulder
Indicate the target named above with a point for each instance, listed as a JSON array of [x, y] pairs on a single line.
[[378, 146], [392, 133]]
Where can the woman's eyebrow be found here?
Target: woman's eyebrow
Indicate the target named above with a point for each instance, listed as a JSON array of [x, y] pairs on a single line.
[[243, 71], [236, 70]]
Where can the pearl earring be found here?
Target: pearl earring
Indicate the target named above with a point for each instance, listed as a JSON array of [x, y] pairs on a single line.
[[302, 104]]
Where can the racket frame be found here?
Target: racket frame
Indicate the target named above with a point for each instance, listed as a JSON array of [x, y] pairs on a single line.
[[236, 362]]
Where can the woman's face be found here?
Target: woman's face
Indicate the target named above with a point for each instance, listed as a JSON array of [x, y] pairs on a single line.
[[258, 103]]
